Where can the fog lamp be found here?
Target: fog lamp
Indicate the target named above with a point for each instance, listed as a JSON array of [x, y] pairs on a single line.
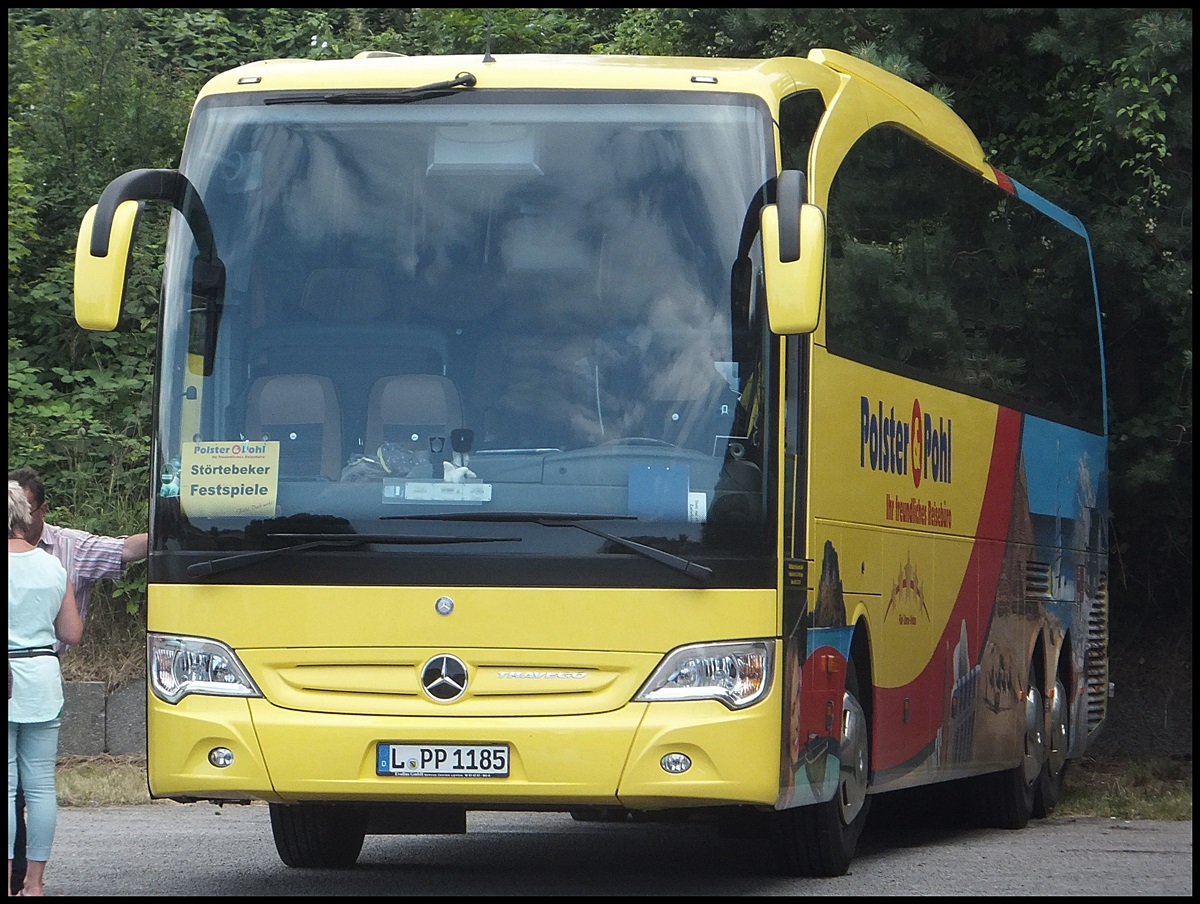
[[675, 763]]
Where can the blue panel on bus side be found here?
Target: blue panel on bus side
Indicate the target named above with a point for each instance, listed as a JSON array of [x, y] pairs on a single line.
[[658, 492]]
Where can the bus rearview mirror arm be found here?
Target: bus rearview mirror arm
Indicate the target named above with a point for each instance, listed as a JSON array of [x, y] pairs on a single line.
[[105, 245]]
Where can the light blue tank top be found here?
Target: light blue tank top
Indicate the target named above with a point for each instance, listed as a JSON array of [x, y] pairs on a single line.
[[37, 583]]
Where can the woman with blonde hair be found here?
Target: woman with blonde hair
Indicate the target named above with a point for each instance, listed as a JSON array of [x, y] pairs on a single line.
[[41, 610]]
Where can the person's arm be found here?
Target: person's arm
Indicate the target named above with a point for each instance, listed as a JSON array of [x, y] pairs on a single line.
[[135, 549], [68, 626]]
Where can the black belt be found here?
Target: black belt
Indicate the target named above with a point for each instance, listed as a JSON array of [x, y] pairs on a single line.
[[26, 652]]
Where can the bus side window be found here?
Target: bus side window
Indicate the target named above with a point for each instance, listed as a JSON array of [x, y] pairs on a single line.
[[966, 286]]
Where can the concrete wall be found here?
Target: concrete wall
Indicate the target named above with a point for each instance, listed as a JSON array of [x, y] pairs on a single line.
[[96, 722]]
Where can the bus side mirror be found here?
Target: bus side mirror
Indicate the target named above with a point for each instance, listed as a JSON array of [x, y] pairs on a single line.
[[106, 240], [100, 281], [793, 236]]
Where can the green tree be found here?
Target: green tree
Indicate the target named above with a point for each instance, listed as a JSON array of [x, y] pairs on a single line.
[[1089, 107], [1092, 109]]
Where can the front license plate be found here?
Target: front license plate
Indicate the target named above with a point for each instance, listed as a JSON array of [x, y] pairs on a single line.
[[436, 760]]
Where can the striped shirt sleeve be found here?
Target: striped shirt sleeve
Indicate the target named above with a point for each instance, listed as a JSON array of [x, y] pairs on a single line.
[[94, 557]]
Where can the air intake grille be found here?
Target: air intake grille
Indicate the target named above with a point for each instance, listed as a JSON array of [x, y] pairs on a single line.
[[1037, 580], [1097, 656]]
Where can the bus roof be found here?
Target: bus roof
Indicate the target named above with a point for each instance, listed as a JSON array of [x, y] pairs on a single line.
[[828, 71], [534, 70]]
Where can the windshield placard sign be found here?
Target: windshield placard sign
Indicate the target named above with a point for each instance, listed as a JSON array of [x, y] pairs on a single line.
[[231, 478]]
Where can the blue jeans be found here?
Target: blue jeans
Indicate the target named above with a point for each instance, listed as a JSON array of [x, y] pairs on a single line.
[[19, 866], [32, 757]]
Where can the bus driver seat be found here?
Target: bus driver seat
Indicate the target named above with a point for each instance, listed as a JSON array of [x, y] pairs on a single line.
[[301, 412]]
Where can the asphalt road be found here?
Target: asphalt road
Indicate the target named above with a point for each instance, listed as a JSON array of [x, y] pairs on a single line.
[[200, 849]]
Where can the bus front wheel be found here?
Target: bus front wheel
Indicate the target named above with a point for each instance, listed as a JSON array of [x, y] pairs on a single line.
[[820, 840], [318, 836]]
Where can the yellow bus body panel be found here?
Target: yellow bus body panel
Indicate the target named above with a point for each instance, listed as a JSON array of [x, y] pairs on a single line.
[[599, 759], [573, 740], [578, 618], [766, 78], [898, 558]]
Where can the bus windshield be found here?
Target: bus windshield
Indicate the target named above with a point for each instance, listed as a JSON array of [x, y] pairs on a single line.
[[493, 301]]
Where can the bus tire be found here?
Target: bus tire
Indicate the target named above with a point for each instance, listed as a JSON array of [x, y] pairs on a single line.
[[1010, 794], [1050, 782], [318, 836], [820, 840]]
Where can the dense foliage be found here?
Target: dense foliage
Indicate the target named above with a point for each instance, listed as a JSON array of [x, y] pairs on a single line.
[[1091, 108]]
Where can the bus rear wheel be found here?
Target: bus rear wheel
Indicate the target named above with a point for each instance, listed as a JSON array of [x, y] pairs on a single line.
[[1050, 782], [820, 840], [1010, 794], [318, 836]]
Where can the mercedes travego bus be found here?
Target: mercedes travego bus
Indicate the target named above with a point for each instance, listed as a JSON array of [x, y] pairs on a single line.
[[625, 436]]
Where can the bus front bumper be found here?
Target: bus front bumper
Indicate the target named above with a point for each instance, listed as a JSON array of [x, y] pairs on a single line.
[[555, 762]]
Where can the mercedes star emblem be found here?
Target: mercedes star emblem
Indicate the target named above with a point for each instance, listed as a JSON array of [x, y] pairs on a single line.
[[444, 678]]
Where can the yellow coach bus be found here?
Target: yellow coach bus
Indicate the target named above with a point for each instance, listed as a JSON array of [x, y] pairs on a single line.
[[626, 436]]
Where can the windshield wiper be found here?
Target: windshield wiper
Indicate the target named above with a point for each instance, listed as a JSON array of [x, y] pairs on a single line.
[[402, 96], [326, 541], [556, 519]]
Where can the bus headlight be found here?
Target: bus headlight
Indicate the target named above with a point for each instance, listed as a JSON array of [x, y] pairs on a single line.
[[737, 674], [179, 666]]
